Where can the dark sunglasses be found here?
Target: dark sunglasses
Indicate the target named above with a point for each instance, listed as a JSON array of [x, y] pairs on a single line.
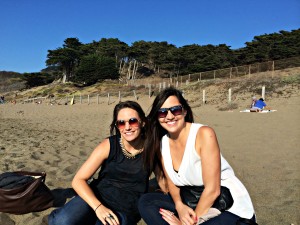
[[175, 110], [133, 122]]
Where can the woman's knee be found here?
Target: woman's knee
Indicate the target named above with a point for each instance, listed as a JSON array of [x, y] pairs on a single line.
[[56, 217], [76, 211], [147, 200]]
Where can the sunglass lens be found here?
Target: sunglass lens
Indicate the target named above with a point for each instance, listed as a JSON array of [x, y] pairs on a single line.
[[176, 110], [162, 113], [133, 122], [120, 124]]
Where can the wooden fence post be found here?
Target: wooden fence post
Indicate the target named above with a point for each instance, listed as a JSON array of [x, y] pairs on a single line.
[[108, 99], [229, 96], [249, 71], [273, 68], [203, 97], [119, 96], [263, 91], [88, 99], [98, 99], [134, 94]]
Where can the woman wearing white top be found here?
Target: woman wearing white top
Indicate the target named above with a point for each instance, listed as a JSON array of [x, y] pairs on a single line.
[[190, 156]]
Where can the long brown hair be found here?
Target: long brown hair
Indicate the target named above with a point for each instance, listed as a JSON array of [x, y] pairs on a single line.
[[155, 131]]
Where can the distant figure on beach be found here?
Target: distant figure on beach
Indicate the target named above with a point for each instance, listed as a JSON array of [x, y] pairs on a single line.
[[258, 106], [254, 99], [2, 101], [111, 198]]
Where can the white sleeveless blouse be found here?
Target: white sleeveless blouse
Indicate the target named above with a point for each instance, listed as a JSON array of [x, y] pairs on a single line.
[[190, 173]]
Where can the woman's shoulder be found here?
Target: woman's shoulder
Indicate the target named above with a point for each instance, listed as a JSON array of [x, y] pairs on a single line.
[[205, 131]]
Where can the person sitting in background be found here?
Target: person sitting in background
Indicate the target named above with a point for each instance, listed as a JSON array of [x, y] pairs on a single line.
[[259, 105], [254, 99], [2, 100]]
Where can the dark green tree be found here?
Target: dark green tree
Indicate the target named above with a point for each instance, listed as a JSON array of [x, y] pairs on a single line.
[[37, 79], [139, 51], [67, 57], [94, 68], [112, 47]]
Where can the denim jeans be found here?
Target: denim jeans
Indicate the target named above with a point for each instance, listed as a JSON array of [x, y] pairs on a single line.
[[150, 203], [78, 212]]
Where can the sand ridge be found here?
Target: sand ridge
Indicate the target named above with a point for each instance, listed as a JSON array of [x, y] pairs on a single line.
[[263, 149]]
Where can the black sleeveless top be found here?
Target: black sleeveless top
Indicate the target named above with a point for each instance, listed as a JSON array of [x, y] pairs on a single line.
[[121, 181]]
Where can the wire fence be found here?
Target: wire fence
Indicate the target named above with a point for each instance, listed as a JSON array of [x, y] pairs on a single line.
[[133, 89], [245, 71]]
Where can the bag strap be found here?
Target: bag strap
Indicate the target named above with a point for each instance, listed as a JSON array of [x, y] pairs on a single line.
[[42, 175]]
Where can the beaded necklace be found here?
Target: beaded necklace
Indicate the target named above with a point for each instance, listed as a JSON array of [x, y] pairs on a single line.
[[128, 154]]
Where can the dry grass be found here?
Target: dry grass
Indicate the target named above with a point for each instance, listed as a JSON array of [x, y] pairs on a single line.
[[282, 83]]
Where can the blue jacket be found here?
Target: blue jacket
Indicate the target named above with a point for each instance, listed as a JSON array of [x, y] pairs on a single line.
[[260, 104]]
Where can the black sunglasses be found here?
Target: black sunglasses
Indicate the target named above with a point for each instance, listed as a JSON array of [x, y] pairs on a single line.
[[133, 122], [175, 110]]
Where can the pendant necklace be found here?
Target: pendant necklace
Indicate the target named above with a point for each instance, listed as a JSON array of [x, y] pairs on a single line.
[[126, 153]]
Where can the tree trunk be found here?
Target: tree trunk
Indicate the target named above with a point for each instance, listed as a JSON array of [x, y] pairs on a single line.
[[136, 68], [129, 71], [64, 78], [120, 67], [133, 71]]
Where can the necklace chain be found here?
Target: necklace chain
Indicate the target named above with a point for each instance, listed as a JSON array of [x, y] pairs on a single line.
[[126, 153]]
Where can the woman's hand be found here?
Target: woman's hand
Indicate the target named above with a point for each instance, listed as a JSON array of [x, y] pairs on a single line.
[[187, 215], [169, 217], [106, 216]]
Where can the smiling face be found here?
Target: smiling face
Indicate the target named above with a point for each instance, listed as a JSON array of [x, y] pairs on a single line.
[[130, 130], [172, 123]]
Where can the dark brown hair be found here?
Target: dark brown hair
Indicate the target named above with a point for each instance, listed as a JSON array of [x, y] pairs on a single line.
[[127, 104], [155, 131]]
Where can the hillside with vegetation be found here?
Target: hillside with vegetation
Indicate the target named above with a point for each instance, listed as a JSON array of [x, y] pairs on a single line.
[[111, 58], [110, 66]]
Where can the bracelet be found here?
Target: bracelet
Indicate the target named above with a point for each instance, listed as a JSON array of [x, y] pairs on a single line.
[[97, 207]]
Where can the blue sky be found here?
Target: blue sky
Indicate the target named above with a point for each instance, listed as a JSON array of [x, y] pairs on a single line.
[[29, 28]]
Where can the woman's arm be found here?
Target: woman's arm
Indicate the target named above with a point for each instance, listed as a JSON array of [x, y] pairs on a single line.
[[208, 148], [161, 179], [185, 213], [86, 171]]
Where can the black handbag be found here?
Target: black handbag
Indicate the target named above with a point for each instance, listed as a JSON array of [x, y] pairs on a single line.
[[244, 221], [190, 196], [24, 192]]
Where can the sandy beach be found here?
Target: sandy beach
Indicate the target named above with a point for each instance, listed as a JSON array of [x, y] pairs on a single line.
[[262, 148]]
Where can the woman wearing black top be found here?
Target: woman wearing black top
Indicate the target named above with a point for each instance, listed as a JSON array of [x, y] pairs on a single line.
[[112, 198]]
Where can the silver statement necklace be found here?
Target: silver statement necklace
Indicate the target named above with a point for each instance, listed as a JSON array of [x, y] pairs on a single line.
[[128, 154]]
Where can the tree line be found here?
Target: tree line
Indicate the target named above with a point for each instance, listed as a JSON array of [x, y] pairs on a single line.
[[110, 58]]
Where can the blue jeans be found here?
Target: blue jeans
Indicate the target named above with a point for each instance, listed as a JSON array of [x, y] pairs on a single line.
[[78, 212], [150, 203]]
